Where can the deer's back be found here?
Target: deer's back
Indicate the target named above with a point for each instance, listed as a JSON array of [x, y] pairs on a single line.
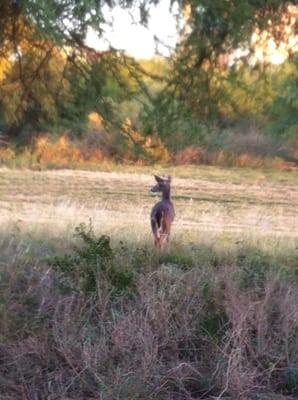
[[163, 209]]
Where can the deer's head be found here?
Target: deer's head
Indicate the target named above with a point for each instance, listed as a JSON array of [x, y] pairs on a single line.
[[163, 185]]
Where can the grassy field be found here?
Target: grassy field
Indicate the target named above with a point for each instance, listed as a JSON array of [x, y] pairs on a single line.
[[209, 201], [215, 317]]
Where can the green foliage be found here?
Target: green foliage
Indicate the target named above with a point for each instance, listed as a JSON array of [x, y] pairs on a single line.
[[50, 80], [92, 264], [214, 28], [284, 108], [49, 18], [253, 268], [203, 93], [214, 318], [245, 93], [180, 259], [291, 379], [175, 124], [259, 104], [53, 92]]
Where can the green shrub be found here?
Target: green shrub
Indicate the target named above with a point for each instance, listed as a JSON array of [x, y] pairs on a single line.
[[92, 264], [254, 266], [181, 260], [291, 378]]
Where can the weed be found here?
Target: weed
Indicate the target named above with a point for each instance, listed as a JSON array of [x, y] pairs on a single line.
[[92, 263], [181, 260], [254, 266]]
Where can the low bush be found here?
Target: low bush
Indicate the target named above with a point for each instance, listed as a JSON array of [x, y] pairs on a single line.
[[91, 265]]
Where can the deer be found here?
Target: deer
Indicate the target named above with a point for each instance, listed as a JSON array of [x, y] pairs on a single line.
[[162, 214]]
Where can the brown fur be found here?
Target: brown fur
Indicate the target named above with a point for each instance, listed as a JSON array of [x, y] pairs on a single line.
[[162, 214]]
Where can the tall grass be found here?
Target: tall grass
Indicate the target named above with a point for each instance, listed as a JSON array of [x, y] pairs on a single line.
[[201, 321]]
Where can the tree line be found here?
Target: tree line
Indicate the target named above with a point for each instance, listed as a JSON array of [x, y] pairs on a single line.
[[213, 82]]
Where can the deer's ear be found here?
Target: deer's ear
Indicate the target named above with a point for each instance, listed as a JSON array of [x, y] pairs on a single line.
[[169, 178], [158, 179]]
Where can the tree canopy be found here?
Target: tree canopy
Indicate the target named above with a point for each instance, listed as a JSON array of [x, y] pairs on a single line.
[[50, 78]]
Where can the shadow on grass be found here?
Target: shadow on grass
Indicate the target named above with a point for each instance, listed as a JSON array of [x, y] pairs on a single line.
[[79, 314]]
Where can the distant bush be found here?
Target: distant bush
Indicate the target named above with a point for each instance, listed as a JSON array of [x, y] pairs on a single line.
[[190, 155], [6, 155], [228, 158], [95, 149]]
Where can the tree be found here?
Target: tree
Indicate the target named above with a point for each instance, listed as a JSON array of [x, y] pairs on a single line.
[[283, 112], [215, 42], [48, 75]]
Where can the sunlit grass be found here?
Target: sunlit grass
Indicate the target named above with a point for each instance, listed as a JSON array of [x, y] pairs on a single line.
[[210, 200]]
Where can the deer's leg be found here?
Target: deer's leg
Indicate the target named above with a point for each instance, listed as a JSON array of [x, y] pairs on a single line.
[[157, 229], [166, 228], [168, 238], [165, 240], [157, 243]]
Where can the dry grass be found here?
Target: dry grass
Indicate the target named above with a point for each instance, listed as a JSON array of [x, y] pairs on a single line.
[[213, 318], [231, 158], [213, 201]]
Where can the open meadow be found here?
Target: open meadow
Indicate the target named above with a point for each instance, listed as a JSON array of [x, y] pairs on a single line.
[[89, 310]]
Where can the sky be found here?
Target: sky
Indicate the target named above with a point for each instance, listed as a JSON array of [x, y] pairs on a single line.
[[138, 41]]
